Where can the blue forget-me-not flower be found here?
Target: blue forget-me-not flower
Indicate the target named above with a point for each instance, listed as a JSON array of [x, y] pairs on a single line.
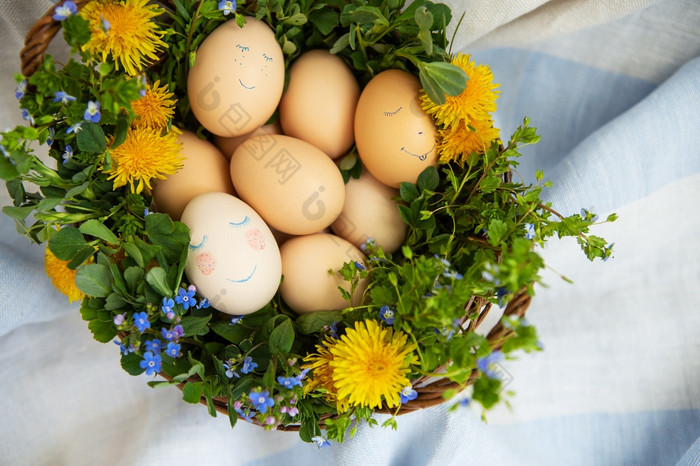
[[92, 112], [62, 12], [227, 6]]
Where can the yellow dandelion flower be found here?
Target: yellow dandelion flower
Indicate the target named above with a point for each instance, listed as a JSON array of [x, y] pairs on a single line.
[[61, 276], [156, 108], [125, 30], [367, 364], [145, 155], [459, 141], [322, 376], [476, 101]]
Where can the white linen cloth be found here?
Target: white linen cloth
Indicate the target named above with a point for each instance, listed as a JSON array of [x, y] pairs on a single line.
[[614, 88]]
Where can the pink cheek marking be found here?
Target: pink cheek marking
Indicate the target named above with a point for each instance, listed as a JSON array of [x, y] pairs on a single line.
[[206, 263], [255, 239]]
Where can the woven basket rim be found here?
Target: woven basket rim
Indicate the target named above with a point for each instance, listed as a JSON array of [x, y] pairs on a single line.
[[430, 392]]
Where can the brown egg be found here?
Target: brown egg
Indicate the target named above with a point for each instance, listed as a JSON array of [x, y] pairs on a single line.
[[395, 138], [294, 186], [370, 212], [307, 286], [204, 170], [228, 146], [237, 78], [319, 104]]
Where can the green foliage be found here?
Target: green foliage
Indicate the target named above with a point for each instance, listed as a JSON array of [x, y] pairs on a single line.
[[91, 138]]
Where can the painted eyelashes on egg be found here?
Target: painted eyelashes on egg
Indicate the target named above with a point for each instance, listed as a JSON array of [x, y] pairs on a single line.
[[245, 221], [235, 115]]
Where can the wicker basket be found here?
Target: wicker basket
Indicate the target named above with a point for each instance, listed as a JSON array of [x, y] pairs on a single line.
[[430, 389]]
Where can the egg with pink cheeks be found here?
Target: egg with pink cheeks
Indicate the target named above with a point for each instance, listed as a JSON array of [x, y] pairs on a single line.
[[232, 258]]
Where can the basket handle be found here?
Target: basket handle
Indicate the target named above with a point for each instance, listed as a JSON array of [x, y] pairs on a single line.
[[38, 39], [40, 36]]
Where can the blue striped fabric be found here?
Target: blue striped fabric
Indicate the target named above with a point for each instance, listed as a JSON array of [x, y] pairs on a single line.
[[619, 380]]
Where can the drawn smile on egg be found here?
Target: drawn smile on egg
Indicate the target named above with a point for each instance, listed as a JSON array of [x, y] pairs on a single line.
[[243, 280], [420, 157], [247, 87]]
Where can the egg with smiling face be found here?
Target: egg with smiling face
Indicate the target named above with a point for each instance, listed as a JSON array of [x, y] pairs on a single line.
[[237, 78], [395, 138], [233, 258]]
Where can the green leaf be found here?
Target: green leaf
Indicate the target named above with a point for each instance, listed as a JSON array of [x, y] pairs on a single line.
[[7, 170], [428, 179], [296, 20], [133, 276], [233, 333], [288, 47], [269, 376], [91, 138], [309, 429], [131, 363], [134, 252], [424, 20], [48, 204], [114, 302], [158, 279], [282, 337], [408, 192], [210, 402], [497, 230], [369, 15], [181, 10], [324, 20], [80, 256], [315, 321], [18, 213], [440, 78], [486, 391], [490, 183], [407, 215], [103, 332], [173, 237], [193, 326], [192, 392], [76, 30], [533, 195], [340, 44], [94, 280], [89, 308], [381, 295], [442, 13], [16, 190], [120, 131], [97, 229]]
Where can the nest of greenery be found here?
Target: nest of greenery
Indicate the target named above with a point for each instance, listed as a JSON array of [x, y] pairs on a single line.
[[474, 226]]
